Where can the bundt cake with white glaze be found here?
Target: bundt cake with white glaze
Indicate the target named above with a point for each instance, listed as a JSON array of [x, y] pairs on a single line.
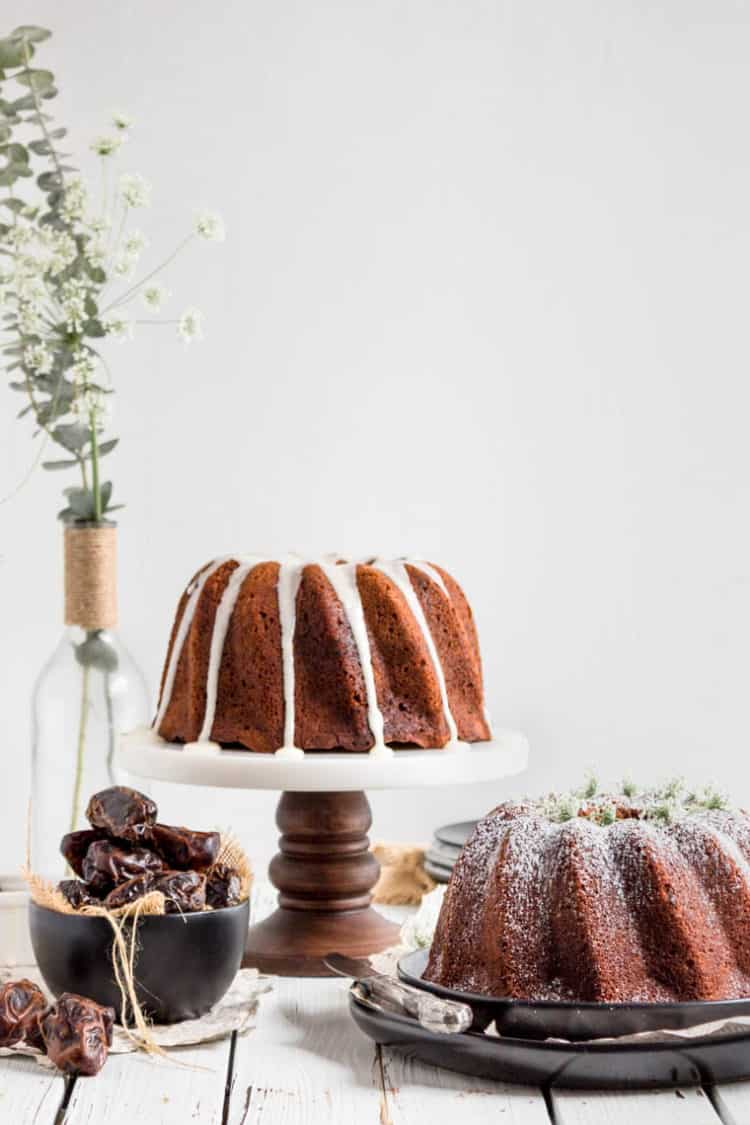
[[322, 655], [625, 897]]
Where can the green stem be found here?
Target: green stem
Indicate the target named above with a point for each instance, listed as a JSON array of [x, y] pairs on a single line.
[[81, 750], [137, 285], [95, 468]]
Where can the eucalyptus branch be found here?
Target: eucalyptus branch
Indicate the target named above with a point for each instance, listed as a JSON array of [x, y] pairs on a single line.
[[57, 259]]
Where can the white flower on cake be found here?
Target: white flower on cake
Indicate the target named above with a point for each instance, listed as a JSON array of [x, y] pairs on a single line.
[[155, 296], [190, 325], [135, 190], [38, 358], [210, 226], [105, 146]]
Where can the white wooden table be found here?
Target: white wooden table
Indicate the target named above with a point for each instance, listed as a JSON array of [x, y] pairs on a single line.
[[305, 1063]]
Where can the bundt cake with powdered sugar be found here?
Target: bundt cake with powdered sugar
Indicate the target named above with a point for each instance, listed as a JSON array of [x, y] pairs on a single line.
[[625, 897], [322, 655]]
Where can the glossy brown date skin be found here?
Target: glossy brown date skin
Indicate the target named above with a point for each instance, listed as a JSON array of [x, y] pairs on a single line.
[[76, 893], [107, 865], [183, 849], [75, 845], [222, 886], [184, 891], [21, 1004], [77, 1034], [130, 890], [122, 812]]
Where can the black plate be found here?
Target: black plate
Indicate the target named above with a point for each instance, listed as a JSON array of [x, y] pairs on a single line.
[[185, 962], [611, 1066], [437, 872], [455, 835], [544, 1019]]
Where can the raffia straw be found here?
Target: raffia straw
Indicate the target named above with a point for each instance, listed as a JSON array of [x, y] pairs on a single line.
[[44, 893]]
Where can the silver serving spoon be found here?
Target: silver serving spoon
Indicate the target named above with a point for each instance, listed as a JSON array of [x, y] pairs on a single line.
[[447, 1017]]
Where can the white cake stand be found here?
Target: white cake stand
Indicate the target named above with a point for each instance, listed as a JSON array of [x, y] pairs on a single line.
[[324, 870]]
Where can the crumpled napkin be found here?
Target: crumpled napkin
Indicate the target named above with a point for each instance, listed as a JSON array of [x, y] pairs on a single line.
[[236, 1011]]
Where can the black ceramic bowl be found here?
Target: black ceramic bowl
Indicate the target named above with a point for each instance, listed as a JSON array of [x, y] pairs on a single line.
[[543, 1019], [184, 964]]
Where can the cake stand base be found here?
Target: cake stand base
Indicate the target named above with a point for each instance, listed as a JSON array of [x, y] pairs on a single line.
[[324, 870], [324, 873]]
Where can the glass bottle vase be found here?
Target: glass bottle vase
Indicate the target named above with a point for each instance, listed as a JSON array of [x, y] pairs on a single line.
[[88, 692]]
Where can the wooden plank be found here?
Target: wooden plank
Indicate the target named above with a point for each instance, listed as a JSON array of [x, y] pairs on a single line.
[[732, 1102], [419, 1093], [28, 1092], [649, 1107], [306, 1061], [133, 1089]]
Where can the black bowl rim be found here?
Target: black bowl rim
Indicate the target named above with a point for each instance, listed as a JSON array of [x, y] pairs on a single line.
[[176, 917], [408, 974], [573, 1046]]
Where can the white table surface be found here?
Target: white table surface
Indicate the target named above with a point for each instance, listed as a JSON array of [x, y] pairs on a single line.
[[306, 1062]]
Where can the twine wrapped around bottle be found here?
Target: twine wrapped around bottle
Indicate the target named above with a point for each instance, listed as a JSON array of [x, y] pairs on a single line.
[[91, 576]]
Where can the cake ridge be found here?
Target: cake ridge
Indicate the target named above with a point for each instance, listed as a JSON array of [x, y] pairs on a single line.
[[631, 906], [342, 576]]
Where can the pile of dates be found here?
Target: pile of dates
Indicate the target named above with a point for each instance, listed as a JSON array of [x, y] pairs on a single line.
[[75, 1033], [127, 854]]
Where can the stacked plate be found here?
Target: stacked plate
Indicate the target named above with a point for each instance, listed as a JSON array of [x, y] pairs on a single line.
[[445, 848]]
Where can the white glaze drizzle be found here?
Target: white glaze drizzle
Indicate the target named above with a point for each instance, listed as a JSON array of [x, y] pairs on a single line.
[[194, 594], [433, 574], [343, 578], [290, 576], [218, 637], [399, 575]]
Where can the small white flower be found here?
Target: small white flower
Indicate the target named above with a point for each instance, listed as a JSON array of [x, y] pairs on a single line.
[[190, 325], [105, 146], [134, 243], [155, 296], [135, 191], [73, 302], [75, 200], [96, 253], [124, 265], [210, 226], [118, 326], [63, 251], [83, 368], [122, 121], [93, 406], [38, 358], [29, 321], [98, 225]]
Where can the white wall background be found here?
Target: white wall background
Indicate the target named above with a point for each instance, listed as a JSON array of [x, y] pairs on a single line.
[[484, 298]]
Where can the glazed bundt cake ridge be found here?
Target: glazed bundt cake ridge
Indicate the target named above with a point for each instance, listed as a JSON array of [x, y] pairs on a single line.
[[322, 654]]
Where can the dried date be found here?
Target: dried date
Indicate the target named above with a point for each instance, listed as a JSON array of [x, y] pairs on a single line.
[[130, 890], [21, 1004], [77, 1034], [75, 845], [184, 891], [122, 812], [76, 893], [183, 849], [107, 865], [223, 886]]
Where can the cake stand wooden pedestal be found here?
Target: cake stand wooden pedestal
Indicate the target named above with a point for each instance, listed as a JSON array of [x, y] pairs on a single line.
[[324, 871]]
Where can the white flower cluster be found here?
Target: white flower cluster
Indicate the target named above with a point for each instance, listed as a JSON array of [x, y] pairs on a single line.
[[210, 226], [190, 325], [135, 191]]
